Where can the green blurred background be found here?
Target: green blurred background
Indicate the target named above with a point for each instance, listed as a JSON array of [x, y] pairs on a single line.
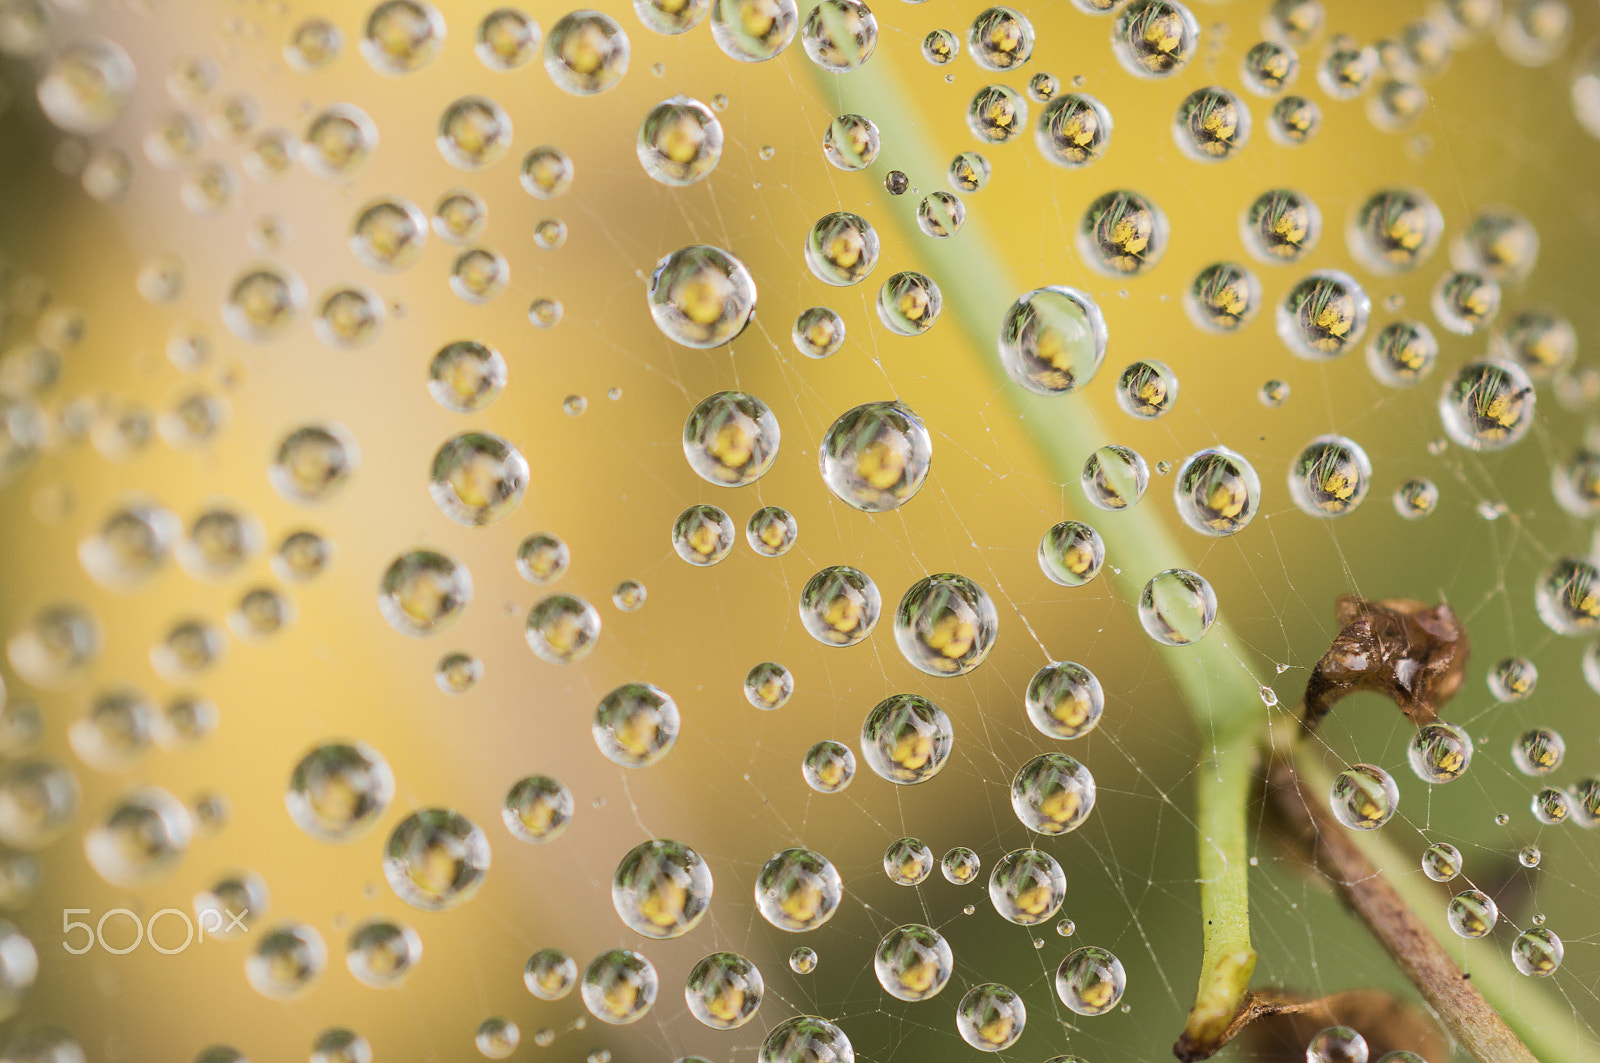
[[611, 481]]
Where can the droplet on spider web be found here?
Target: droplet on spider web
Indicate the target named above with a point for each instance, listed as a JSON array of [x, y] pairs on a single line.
[[997, 114], [506, 39], [991, 1017], [381, 953], [1294, 120], [806, 1039], [960, 866], [1043, 86], [1212, 124], [1115, 477], [703, 535], [1052, 794], [701, 296], [840, 35], [586, 52], [1027, 887], [1551, 806], [909, 303], [1064, 700], [906, 739], [724, 990], [680, 142], [497, 1038], [828, 767], [1330, 477], [1472, 914], [1465, 302], [1439, 752], [1567, 596], [1147, 389], [1090, 981], [474, 131], [1441, 862], [636, 725], [338, 790], [731, 439], [1281, 225], [1177, 607], [671, 17], [798, 890], [969, 172], [1529, 856], [142, 838], [907, 862], [945, 625], [818, 332], [436, 858], [1269, 67], [1364, 797], [1337, 1044], [876, 456], [1122, 234], [1402, 353], [753, 31], [478, 478], [913, 962], [1217, 491], [839, 606], [941, 214], [537, 809], [803, 960], [1395, 229], [286, 960], [1537, 953], [1154, 38], [661, 888], [550, 974], [619, 986]]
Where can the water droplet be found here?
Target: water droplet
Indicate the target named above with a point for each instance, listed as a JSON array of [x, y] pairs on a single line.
[[1217, 491], [1441, 862], [731, 439], [1269, 67], [1027, 887], [680, 141], [1337, 1044], [1064, 700], [839, 606], [636, 725], [906, 739], [1212, 124], [913, 962], [701, 296], [1472, 914], [1154, 38], [338, 790], [1052, 794], [586, 53], [828, 767], [991, 1016], [1122, 234], [753, 31], [839, 35], [1439, 752], [507, 39], [940, 47], [1567, 596], [550, 974], [381, 953], [803, 960], [661, 888], [1330, 477], [286, 960], [435, 858], [1363, 797], [619, 986], [798, 890], [907, 862], [1537, 953], [537, 809], [702, 535], [1177, 607]]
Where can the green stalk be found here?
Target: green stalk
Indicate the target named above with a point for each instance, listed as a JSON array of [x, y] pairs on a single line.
[[1224, 699]]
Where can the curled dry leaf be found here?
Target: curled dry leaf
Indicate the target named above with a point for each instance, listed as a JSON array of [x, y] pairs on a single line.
[[1412, 653], [1387, 1023]]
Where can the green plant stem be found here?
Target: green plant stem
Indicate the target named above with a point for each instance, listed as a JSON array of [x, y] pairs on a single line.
[[1551, 1032], [1223, 698]]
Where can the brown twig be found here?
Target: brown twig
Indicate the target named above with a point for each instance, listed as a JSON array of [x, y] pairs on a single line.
[[1446, 988]]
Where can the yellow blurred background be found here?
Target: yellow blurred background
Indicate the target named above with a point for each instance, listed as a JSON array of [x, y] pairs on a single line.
[[610, 482]]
